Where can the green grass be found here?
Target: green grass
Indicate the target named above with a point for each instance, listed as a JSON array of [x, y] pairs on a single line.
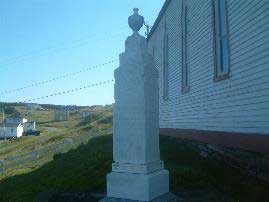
[[59, 131], [81, 169], [85, 168], [190, 171]]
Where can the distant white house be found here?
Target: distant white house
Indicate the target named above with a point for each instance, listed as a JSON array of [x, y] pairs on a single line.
[[10, 130], [61, 115], [11, 123], [29, 126]]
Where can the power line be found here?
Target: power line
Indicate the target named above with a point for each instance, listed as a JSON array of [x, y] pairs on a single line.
[[79, 42], [57, 78], [69, 91]]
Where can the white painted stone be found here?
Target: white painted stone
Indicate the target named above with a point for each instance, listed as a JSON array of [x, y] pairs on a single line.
[[138, 168], [137, 171], [142, 187]]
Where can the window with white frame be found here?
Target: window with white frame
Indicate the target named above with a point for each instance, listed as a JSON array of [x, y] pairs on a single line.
[[185, 65], [165, 64], [222, 67]]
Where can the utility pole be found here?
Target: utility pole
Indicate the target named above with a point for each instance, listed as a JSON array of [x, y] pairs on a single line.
[[4, 127]]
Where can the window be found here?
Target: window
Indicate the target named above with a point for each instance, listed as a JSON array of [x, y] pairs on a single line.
[[12, 130], [153, 53], [185, 65], [165, 64], [222, 67]]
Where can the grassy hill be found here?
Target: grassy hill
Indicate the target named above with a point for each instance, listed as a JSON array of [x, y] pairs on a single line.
[[77, 170], [83, 168], [53, 132]]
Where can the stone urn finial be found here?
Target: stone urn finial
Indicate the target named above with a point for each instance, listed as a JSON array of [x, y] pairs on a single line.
[[136, 21]]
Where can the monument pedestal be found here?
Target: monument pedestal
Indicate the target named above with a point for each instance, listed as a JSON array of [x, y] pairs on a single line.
[[143, 182], [169, 197], [138, 186]]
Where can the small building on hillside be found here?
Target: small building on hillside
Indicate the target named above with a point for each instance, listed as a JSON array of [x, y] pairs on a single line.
[[29, 127], [212, 59], [11, 130], [61, 115], [33, 106], [86, 114]]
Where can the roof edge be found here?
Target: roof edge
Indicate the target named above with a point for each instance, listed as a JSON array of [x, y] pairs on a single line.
[[158, 19]]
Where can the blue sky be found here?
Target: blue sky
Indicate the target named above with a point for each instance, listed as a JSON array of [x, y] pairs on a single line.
[[42, 39]]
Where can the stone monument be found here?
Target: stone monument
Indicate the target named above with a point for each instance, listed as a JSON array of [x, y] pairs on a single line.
[[137, 172]]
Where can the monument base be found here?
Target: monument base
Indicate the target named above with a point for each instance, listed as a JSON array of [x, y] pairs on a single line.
[[137, 186], [169, 197]]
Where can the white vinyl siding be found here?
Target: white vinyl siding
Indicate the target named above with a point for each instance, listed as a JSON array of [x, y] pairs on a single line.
[[237, 104], [221, 39]]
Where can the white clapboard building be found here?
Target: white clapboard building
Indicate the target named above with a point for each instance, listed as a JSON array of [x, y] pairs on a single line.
[[15, 126], [213, 62], [11, 130]]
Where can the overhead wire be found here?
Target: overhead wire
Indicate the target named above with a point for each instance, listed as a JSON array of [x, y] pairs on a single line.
[[69, 91], [53, 79]]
